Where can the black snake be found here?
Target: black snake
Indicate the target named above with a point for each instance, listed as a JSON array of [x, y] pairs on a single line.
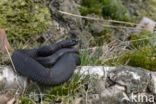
[[48, 65]]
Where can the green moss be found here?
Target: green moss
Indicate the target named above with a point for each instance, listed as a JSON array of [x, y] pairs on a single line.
[[90, 6], [23, 18], [144, 57], [113, 9]]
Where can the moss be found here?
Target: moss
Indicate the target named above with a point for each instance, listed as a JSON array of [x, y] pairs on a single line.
[[23, 18], [113, 9], [90, 6], [144, 57]]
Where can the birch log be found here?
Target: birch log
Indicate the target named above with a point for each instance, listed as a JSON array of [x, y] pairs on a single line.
[[113, 84], [10, 80]]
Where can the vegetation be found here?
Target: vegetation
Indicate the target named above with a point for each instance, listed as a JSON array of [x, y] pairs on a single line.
[[23, 18], [113, 9], [141, 52], [144, 57], [142, 39]]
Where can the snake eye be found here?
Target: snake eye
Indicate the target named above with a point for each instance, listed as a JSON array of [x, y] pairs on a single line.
[[73, 42]]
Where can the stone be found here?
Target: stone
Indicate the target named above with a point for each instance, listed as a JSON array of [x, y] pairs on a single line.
[[120, 85], [146, 24], [134, 79], [103, 85], [152, 85], [67, 22]]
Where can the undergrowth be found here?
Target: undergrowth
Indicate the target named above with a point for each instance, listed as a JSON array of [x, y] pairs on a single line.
[[141, 52], [113, 9], [23, 18]]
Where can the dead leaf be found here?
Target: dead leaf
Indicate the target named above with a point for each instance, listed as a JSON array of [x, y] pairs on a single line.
[[4, 41], [12, 101], [4, 98]]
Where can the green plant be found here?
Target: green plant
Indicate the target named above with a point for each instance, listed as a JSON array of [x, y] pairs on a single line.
[[23, 18], [90, 6], [142, 52], [113, 9], [144, 57], [25, 100], [103, 37], [144, 38], [86, 58]]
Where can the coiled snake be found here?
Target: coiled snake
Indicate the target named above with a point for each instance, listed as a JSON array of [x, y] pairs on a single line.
[[48, 65]]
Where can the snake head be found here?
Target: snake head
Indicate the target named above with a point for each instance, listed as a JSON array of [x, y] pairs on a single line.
[[68, 43]]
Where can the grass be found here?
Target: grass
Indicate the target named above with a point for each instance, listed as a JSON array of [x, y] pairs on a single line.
[[141, 52], [113, 9]]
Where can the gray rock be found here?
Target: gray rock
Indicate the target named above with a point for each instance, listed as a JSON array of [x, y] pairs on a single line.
[[121, 85], [134, 79], [69, 23], [103, 85], [152, 84]]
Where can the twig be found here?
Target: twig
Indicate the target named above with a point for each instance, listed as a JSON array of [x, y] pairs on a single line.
[[10, 59], [97, 19]]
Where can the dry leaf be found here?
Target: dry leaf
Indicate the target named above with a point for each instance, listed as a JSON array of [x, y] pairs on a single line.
[[4, 41], [12, 101], [4, 98]]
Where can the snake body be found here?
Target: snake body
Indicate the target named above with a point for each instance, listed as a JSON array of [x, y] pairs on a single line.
[[48, 65]]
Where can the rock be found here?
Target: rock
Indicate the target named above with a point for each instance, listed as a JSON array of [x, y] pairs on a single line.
[[113, 95], [134, 79], [121, 85], [65, 21], [10, 80], [106, 85], [146, 24], [152, 85]]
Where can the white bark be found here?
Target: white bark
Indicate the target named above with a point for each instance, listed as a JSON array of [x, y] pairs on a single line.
[[10, 80]]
